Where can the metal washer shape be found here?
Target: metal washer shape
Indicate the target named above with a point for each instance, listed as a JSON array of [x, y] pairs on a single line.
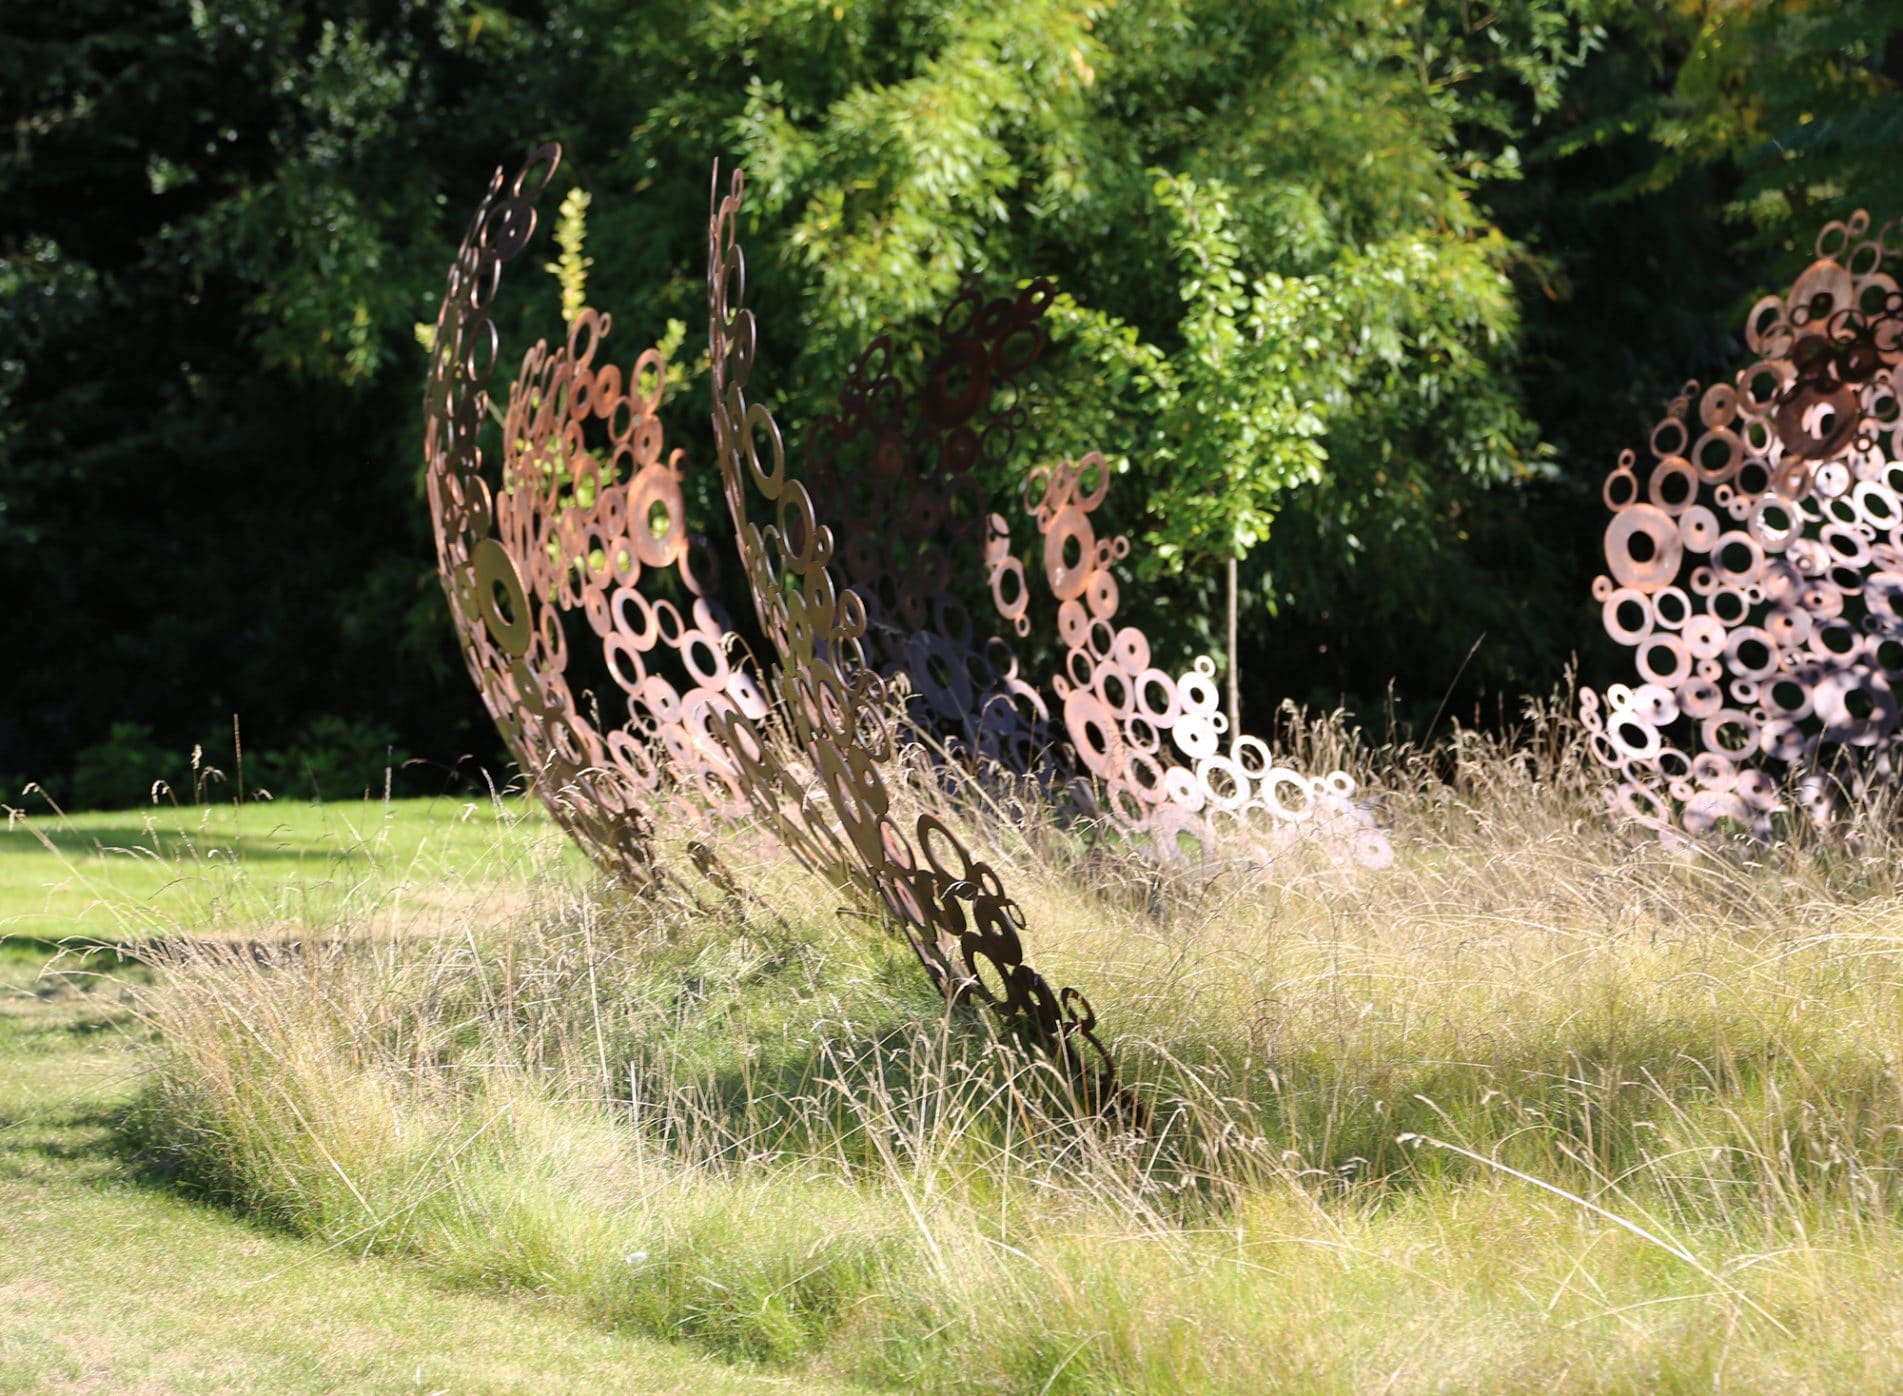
[[1754, 562]]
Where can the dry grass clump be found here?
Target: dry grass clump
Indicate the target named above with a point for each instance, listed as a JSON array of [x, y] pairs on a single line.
[[1543, 1107]]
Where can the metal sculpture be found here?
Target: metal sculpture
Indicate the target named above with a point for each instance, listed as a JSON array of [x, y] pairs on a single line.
[[588, 512], [833, 809], [892, 472], [1153, 741], [512, 644], [588, 508], [592, 514], [1755, 565], [582, 537]]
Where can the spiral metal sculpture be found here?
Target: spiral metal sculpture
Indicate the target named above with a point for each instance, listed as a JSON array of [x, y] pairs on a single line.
[[869, 570], [1755, 565]]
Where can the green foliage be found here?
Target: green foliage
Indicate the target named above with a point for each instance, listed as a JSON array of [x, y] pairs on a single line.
[[1366, 292], [1283, 297], [1240, 407], [330, 758], [1801, 99], [1272, 367], [213, 242], [570, 270], [124, 770], [333, 758]]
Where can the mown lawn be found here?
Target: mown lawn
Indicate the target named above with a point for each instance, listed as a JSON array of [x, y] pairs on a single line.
[[216, 868], [113, 1276]]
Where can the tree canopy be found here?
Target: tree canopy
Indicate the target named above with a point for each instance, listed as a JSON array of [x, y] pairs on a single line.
[[1362, 294]]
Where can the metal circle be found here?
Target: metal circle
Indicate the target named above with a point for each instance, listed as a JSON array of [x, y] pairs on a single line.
[[1643, 548]]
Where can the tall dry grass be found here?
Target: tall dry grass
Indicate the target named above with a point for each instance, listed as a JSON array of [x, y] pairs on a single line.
[[1545, 1106]]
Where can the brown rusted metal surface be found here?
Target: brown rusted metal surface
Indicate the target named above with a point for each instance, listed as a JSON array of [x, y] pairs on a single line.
[[831, 805], [896, 472], [585, 517], [512, 645], [1755, 565], [592, 513], [1154, 741]]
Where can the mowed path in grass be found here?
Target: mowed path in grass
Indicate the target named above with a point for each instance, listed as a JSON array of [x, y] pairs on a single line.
[[223, 868], [109, 1280]]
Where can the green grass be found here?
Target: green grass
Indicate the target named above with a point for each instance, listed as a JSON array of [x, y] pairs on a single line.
[[171, 869], [111, 1279], [1541, 1109]]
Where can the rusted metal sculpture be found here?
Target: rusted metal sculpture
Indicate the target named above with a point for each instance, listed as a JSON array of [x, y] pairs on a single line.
[[831, 808], [587, 515], [511, 636], [1153, 741], [1755, 565], [892, 472], [880, 572]]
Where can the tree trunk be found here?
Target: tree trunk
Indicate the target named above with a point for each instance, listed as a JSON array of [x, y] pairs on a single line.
[[1234, 675]]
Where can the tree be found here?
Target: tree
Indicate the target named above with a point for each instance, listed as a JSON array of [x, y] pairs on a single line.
[[1238, 412], [1426, 297], [1264, 218], [1801, 100], [218, 223]]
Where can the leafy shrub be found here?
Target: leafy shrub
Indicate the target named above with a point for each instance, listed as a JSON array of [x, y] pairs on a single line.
[[333, 758], [123, 769]]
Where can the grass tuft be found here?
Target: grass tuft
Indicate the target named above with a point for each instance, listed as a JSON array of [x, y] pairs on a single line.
[[1542, 1108]]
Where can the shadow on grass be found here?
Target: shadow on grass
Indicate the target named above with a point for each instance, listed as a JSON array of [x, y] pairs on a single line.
[[81, 1123], [88, 952], [73, 957], [719, 1076], [172, 847]]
